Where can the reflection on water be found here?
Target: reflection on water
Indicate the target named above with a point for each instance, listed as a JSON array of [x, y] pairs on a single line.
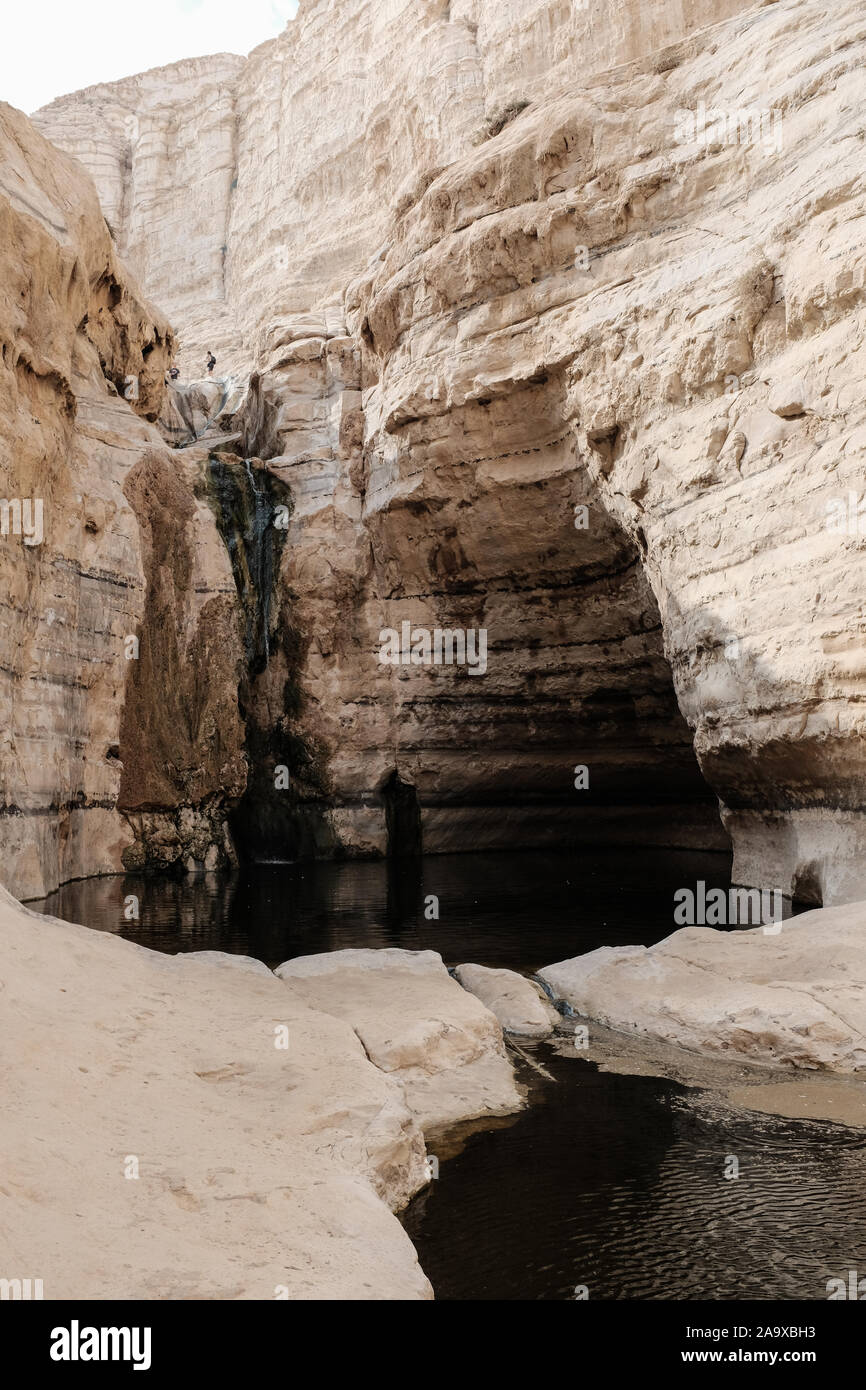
[[617, 1183], [610, 1181], [521, 911]]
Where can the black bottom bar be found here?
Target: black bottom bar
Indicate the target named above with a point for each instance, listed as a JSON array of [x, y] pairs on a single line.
[[285, 1339]]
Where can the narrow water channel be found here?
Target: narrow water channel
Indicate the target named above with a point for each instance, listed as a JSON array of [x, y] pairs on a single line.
[[614, 1187]]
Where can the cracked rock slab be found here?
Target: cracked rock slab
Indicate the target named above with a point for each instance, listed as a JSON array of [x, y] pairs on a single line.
[[416, 1024]]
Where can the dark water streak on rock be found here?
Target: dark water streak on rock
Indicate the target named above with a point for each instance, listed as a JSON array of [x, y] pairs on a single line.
[[245, 501]]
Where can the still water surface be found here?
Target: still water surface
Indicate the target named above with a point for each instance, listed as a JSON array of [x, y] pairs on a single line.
[[522, 911]]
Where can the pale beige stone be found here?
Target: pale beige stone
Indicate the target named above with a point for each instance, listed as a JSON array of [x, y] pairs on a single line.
[[792, 997], [259, 1168], [789, 398], [76, 335], [200, 155], [417, 1024], [517, 1002]]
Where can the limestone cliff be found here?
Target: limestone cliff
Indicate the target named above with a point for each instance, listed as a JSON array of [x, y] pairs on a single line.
[[75, 337], [481, 265], [246, 193], [686, 307], [99, 546]]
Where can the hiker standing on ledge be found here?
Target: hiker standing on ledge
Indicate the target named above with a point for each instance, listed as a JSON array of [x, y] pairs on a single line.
[[211, 362]]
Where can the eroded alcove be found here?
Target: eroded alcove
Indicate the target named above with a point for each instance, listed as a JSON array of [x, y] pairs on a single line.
[[483, 519]]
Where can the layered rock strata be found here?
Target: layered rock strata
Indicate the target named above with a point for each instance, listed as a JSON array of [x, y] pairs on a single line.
[[123, 646], [668, 269], [644, 297], [247, 192], [81, 376]]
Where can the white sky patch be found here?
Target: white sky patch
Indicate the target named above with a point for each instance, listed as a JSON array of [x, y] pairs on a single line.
[[51, 47]]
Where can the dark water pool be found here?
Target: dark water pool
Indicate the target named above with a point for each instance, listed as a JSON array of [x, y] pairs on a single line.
[[522, 911], [616, 1185], [611, 1182]]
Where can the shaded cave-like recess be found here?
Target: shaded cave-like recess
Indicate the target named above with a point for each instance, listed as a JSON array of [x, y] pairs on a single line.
[[402, 818], [577, 675]]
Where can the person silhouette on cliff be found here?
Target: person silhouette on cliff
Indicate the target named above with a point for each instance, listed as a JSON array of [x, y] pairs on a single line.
[[211, 362]]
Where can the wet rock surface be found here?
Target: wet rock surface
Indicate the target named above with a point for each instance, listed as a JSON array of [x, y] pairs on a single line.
[[518, 1003]]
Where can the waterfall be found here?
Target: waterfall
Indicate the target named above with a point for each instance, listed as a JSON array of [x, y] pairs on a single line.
[[245, 502], [261, 556]]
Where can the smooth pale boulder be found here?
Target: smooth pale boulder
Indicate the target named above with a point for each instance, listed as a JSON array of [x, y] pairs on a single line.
[[794, 997], [361, 958], [515, 1001], [228, 961], [418, 1025], [789, 398], [159, 1143]]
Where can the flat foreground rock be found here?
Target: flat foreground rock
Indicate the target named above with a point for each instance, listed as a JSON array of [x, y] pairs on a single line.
[[795, 999], [173, 1129]]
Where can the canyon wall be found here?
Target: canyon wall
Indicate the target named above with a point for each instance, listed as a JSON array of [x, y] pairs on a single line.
[[73, 330], [245, 193], [694, 306], [116, 587], [483, 266], [161, 149]]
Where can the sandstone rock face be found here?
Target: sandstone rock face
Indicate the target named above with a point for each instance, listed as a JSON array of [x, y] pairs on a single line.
[[725, 260], [141, 139], [416, 1024], [643, 297], [516, 1001], [791, 998], [77, 337], [244, 193], [218, 1163], [181, 734], [124, 649], [191, 411]]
